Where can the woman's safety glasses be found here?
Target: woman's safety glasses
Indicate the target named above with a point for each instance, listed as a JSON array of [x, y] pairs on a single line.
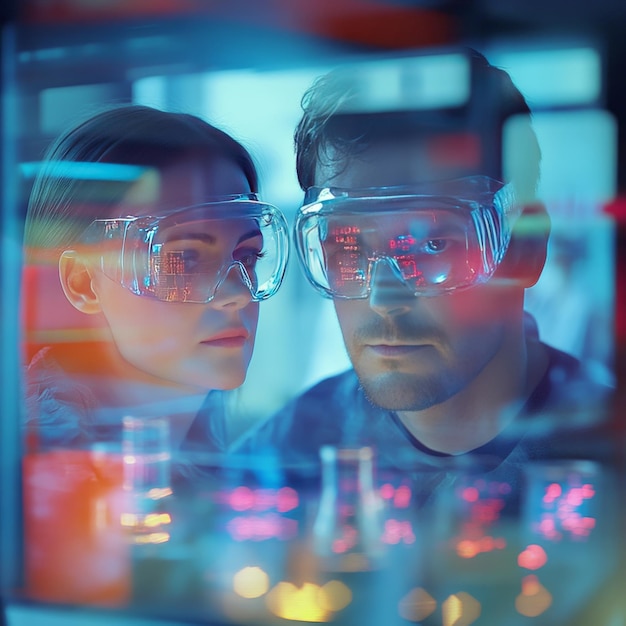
[[186, 254], [452, 237]]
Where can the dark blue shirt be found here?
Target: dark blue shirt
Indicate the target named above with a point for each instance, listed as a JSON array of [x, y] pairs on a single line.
[[560, 419]]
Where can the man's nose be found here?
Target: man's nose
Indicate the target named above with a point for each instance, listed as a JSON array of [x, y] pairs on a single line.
[[233, 291], [389, 293]]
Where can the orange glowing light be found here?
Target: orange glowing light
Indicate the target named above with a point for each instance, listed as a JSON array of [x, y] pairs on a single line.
[[467, 549], [533, 557], [251, 582], [534, 599], [417, 605]]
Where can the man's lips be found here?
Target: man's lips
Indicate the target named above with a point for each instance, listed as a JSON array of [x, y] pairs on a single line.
[[228, 338], [396, 349]]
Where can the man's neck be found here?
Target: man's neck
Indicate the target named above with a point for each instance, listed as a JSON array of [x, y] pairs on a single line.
[[479, 413]]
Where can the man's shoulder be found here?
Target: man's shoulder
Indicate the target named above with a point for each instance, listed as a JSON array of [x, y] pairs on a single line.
[[568, 382], [569, 411]]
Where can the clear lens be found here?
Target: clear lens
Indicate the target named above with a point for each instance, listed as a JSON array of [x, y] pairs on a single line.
[[185, 256], [434, 244]]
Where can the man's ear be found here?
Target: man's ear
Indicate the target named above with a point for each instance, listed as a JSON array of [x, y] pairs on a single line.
[[76, 282], [526, 255]]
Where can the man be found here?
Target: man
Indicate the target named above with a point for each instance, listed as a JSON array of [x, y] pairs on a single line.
[[422, 226]]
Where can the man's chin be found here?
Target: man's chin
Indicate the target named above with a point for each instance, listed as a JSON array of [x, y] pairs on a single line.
[[401, 392]]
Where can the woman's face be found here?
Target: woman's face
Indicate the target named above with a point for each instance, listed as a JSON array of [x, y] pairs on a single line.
[[206, 346]]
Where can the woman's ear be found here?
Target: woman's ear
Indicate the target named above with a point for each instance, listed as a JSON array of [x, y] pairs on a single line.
[[77, 284], [526, 255]]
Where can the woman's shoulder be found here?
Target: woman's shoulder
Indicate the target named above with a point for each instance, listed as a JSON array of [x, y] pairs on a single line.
[[58, 409]]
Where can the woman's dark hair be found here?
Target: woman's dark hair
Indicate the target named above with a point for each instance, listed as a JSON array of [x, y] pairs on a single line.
[[67, 195], [335, 125]]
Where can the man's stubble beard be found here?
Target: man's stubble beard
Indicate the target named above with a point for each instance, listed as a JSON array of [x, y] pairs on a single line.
[[397, 391], [402, 391]]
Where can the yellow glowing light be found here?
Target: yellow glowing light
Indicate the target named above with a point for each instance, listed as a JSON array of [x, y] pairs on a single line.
[[157, 519], [335, 596], [298, 604], [460, 609], [151, 520], [158, 493], [417, 605], [534, 599], [129, 519], [251, 582], [151, 538]]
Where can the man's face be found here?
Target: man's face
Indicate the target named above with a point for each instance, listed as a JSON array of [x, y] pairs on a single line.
[[412, 352]]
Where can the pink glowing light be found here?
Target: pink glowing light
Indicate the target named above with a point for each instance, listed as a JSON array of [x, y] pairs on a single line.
[[533, 557], [387, 491], [241, 499], [402, 497], [470, 494]]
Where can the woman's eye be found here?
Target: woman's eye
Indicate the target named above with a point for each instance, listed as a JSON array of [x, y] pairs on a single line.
[[190, 257], [248, 257]]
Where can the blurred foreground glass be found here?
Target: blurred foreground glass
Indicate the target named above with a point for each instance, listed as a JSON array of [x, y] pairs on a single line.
[[349, 524], [147, 476]]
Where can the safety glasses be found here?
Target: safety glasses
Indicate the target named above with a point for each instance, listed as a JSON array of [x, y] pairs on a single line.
[[436, 239], [185, 255]]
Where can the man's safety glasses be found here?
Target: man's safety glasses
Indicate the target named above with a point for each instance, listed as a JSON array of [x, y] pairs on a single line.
[[447, 236], [186, 254]]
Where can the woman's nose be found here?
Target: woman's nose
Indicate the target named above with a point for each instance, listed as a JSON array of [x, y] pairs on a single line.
[[233, 290]]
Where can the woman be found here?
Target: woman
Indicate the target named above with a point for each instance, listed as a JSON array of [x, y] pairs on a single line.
[[162, 246]]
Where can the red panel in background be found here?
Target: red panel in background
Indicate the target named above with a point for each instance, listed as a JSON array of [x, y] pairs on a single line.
[[369, 22], [76, 550]]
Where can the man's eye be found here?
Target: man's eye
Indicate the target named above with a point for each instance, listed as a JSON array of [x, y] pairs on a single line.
[[434, 246]]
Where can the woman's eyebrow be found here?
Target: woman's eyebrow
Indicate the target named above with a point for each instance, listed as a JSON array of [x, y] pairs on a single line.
[[249, 235], [200, 236]]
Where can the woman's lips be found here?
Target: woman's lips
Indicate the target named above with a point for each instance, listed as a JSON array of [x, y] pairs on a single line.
[[232, 338]]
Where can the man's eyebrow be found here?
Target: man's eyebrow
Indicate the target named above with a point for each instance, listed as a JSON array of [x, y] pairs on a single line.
[[255, 232]]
